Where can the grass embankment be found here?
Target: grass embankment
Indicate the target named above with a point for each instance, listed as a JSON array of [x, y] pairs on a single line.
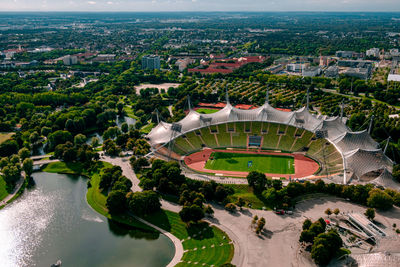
[[246, 193], [250, 162], [3, 189], [5, 136], [203, 244]]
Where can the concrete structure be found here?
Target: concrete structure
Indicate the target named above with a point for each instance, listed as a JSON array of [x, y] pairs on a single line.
[[373, 52], [296, 67], [183, 63], [361, 73], [151, 62], [310, 71], [70, 60], [332, 72], [361, 222], [393, 78], [344, 54]]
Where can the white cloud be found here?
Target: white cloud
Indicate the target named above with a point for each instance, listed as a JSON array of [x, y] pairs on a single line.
[[91, 2], [110, 3]]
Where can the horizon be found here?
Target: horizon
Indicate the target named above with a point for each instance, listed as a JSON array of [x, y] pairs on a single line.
[[199, 6]]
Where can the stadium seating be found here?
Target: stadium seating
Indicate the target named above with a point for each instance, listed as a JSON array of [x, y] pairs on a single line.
[[239, 137], [224, 137], [287, 139], [194, 140], [208, 138], [271, 138]]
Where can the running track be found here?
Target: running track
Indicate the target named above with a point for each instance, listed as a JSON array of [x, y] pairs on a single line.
[[304, 166]]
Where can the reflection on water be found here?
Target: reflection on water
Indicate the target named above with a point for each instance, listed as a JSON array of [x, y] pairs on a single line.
[[52, 221]]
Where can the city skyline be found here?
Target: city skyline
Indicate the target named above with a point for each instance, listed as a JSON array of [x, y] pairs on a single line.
[[200, 5]]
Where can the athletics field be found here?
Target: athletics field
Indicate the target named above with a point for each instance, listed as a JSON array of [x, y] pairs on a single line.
[[274, 164]]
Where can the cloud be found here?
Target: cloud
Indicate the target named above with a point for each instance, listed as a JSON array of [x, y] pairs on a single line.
[[110, 3], [91, 2]]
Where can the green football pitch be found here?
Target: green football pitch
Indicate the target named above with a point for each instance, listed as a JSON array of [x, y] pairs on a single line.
[[250, 162]]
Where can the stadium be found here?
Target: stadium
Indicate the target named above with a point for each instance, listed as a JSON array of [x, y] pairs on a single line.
[[289, 144]]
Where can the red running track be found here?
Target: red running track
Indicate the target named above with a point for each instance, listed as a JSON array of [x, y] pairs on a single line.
[[303, 165]]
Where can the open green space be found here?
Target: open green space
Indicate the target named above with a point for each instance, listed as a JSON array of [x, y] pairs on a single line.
[[5, 136], [246, 193], [207, 110], [250, 162], [204, 244], [3, 189]]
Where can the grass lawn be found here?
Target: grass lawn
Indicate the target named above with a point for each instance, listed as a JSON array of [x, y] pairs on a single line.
[[204, 244], [3, 189], [147, 128], [206, 110], [241, 162], [246, 193], [5, 136]]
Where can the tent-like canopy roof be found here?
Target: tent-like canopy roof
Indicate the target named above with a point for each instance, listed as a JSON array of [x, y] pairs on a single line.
[[359, 151]]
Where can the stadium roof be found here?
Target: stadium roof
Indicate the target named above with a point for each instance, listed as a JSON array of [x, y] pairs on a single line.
[[360, 152]]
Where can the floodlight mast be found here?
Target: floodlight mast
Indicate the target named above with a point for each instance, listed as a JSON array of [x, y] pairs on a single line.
[[370, 124], [189, 103], [308, 98], [267, 96]]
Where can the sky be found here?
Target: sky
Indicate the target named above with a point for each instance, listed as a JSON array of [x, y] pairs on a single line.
[[200, 5]]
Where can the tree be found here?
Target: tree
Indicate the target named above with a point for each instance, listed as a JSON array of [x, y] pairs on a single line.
[[240, 203], [230, 207], [257, 180], [95, 142], [328, 212], [370, 213], [27, 166], [142, 203], [379, 199], [191, 213], [124, 127], [208, 210], [260, 225], [336, 211], [320, 254], [24, 153], [116, 202], [306, 224], [79, 139]]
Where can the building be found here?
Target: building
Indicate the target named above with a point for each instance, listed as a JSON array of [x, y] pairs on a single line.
[[361, 73], [151, 62], [183, 63], [344, 54], [295, 67], [324, 61], [310, 71], [373, 52], [70, 60], [332, 72], [393, 78], [394, 52]]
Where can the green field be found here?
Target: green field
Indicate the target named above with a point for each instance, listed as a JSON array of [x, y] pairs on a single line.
[[239, 162], [3, 189], [207, 110]]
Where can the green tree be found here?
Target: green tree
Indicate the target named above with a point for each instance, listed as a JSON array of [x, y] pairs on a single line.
[[79, 139], [24, 153], [27, 166], [116, 202], [328, 212], [257, 180], [370, 213], [379, 199]]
